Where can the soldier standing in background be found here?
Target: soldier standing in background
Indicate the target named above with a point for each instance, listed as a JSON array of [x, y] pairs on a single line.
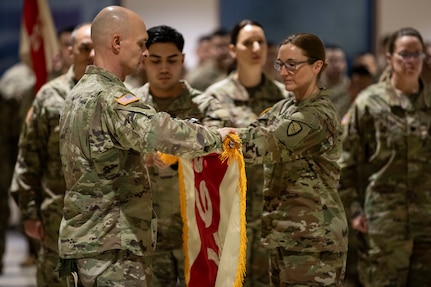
[[386, 171], [335, 77], [62, 60], [236, 102], [215, 68], [204, 50], [38, 183], [16, 95], [105, 235], [360, 78], [271, 56], [166, 92]]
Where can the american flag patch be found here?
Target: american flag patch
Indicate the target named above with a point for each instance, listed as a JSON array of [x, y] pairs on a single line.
[[127, 99]]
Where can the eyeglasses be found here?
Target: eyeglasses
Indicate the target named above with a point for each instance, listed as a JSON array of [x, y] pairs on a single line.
[[290, 66], [411, 56]]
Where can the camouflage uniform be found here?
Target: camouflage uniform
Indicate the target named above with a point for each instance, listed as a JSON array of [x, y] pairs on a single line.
[[104, 130], [228, 103], [168, 259], [303, 223], [205, 75], [341, 98], [386, 172], [16, 94], [38, 181], [339, 93]]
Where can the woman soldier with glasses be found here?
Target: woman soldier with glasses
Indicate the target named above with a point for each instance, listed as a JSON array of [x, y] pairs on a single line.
[[237, 101], [386, 168], [299, 141]]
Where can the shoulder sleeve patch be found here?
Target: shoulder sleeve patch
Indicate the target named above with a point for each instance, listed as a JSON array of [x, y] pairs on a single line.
[[127, 99], [293, 128], [292, 133]]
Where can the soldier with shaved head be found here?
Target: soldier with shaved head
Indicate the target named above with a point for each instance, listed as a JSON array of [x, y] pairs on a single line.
[[105, 131]]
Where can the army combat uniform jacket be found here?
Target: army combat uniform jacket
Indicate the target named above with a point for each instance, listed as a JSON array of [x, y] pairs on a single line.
[[104, 132], [164, 182], [38, 181], [386, 166], [228, 103], [300, 143]]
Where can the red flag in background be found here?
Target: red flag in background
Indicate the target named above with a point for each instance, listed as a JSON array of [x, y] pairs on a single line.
[[38, 43], [212, 196]]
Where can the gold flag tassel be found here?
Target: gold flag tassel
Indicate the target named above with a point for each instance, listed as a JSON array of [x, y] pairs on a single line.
[[232, 151]]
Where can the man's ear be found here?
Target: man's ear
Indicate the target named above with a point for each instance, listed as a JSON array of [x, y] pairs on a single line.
[[116, 42]]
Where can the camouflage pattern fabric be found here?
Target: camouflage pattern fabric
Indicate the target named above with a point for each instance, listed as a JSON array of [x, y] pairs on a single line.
[[38, 181], [341, 98], [386, 176], [308, 268], [168, 259], [228, 103], [46, 275], [168, 268], [104, 132], [117, 268], [16, 95], [203, 76], [300, 144]]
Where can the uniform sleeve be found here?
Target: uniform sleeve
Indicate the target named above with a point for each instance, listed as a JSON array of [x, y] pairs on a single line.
[[26, 181], [353, 161], [299, 135], [140, 128], [216, 114]]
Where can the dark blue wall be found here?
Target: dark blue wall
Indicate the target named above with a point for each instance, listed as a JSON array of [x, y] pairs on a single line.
[[348, 23], [65, 13]]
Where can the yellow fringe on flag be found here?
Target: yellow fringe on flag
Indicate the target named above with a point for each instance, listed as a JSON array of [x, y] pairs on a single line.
[[231, 151], [183, 206], [167, 159]]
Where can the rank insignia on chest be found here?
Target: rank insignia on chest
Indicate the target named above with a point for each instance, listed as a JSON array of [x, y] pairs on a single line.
[[127, 99], [293, 128]]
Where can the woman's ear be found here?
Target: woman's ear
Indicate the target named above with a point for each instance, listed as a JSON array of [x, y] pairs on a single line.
[[318, 66], [232, 51]]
